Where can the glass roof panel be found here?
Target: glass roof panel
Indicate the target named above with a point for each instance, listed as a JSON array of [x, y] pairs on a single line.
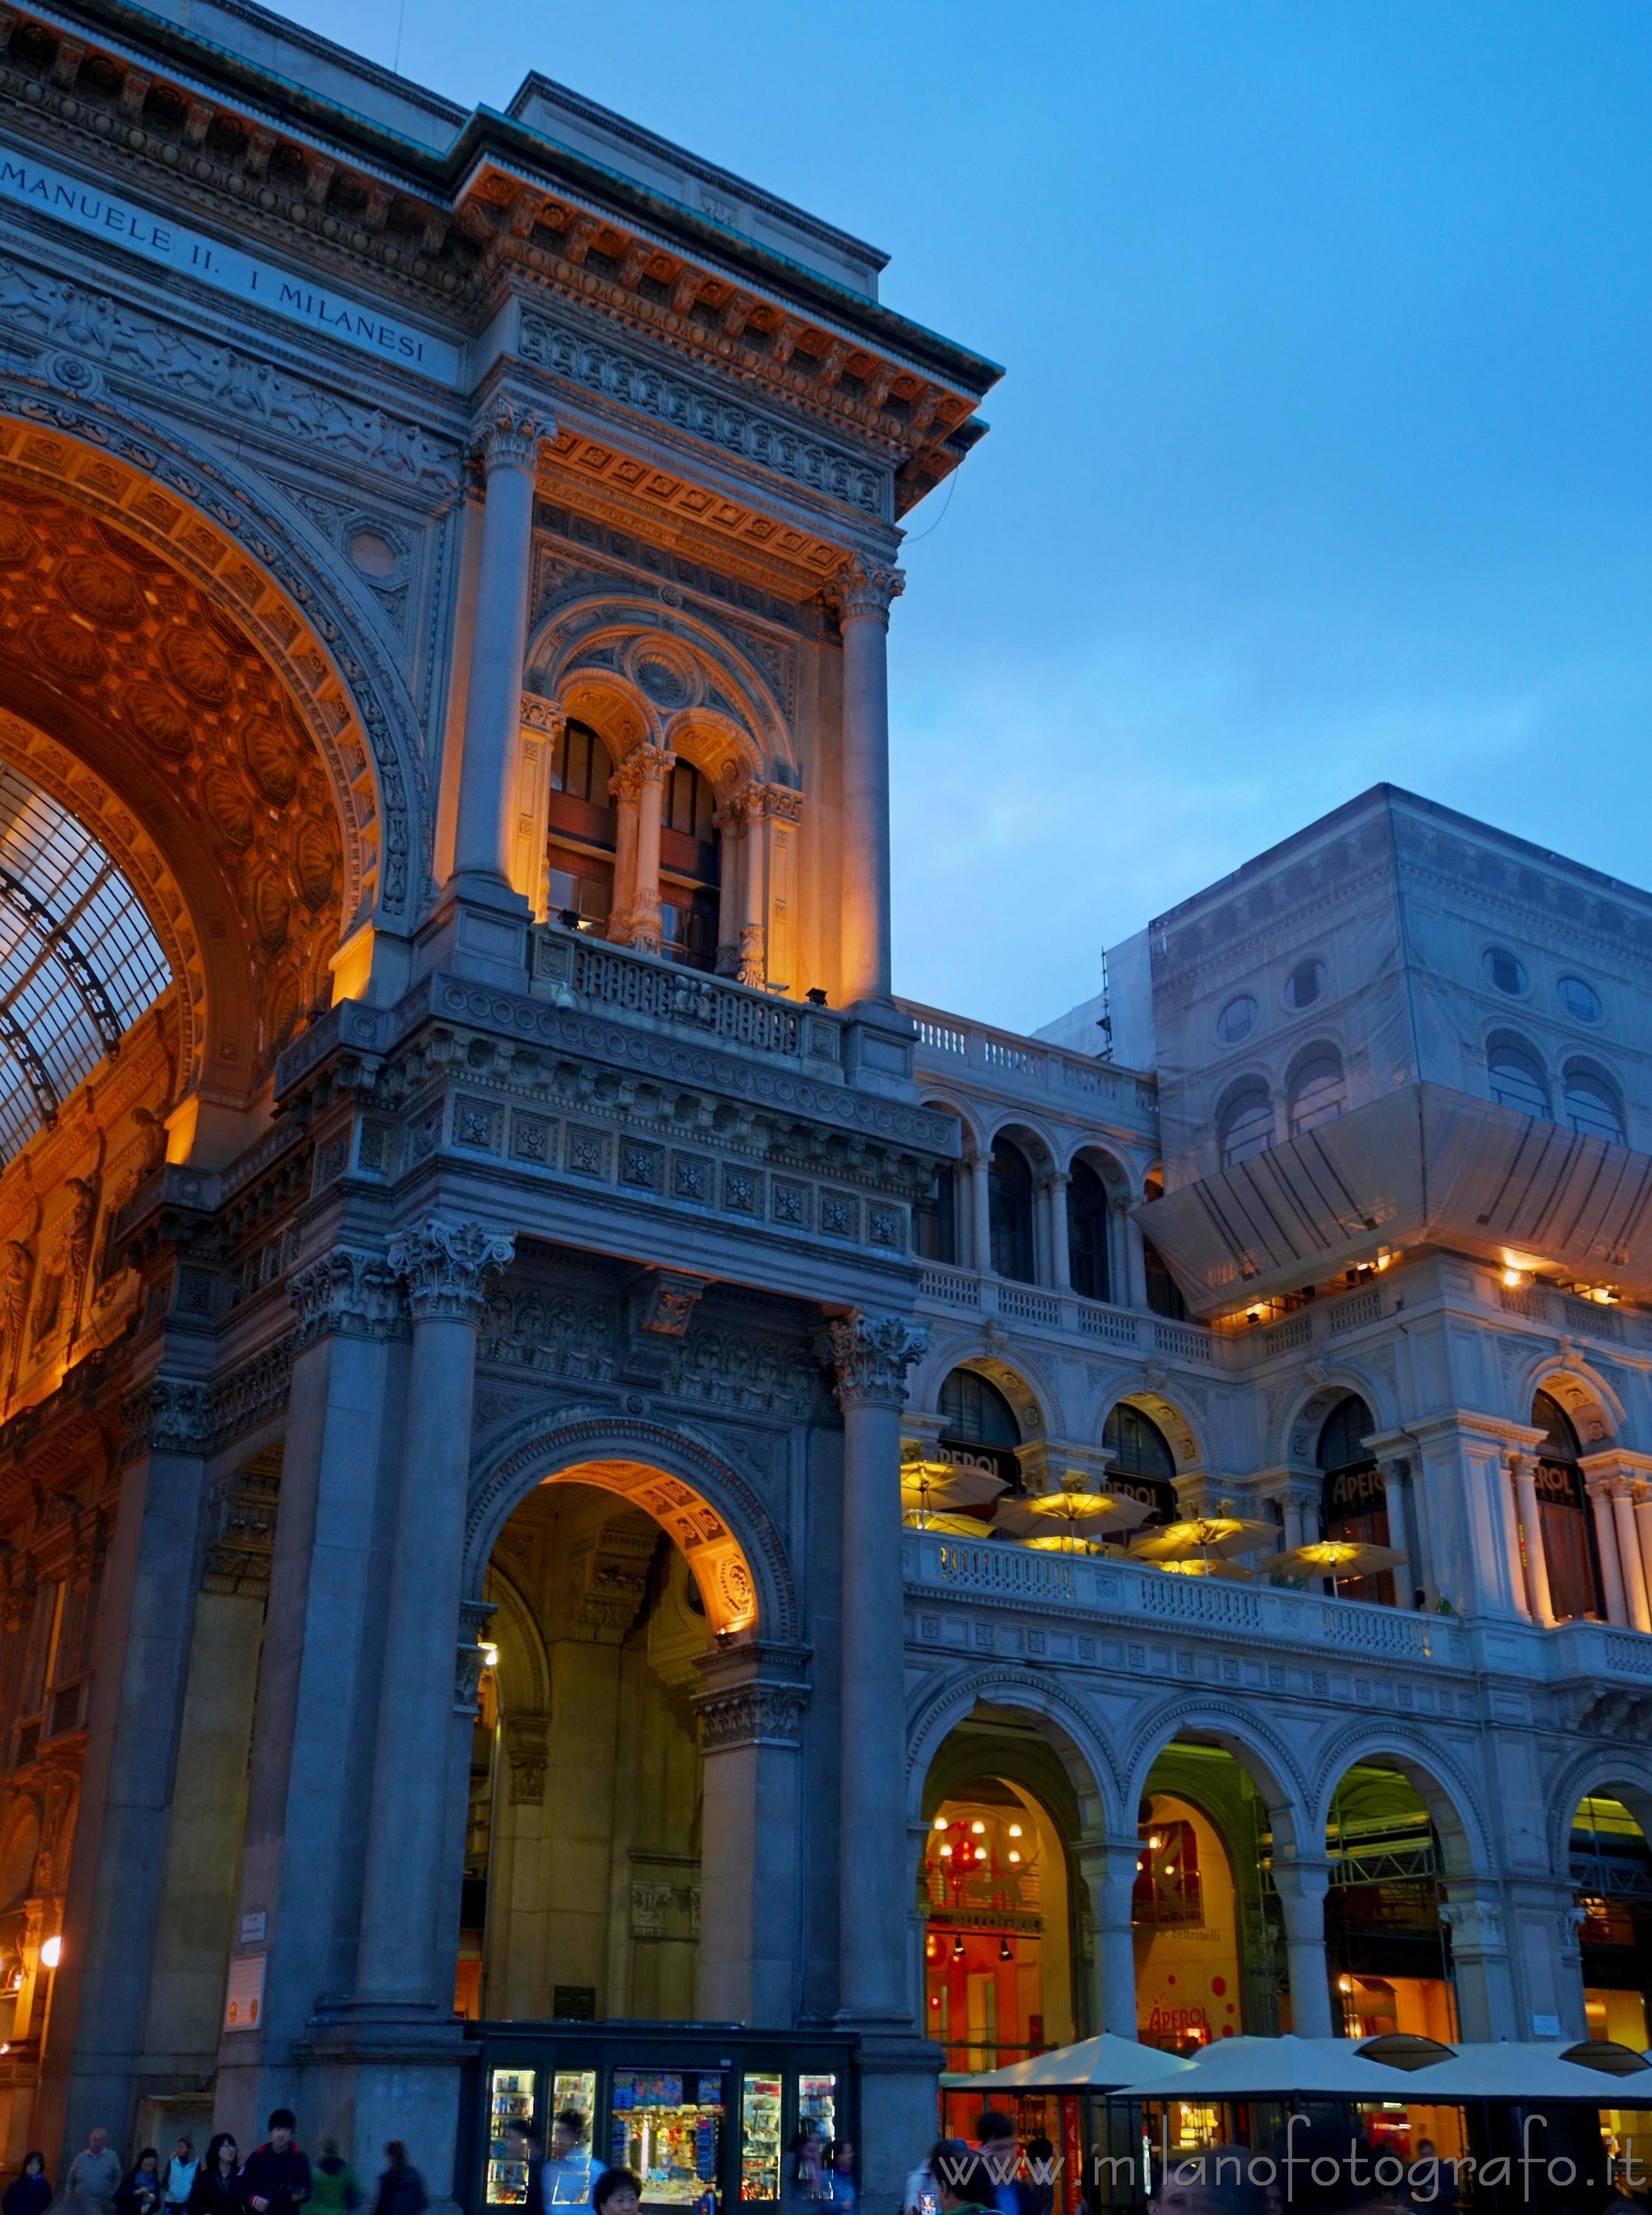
[[79, 959]]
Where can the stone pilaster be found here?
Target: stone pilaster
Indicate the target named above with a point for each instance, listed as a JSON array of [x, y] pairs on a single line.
[[864, 591]]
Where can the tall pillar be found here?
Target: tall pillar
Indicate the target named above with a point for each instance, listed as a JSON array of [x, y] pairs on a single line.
[[1622, 1492], [1109, 1868], [1133, 1283], [1060, 1260], [1523, 1469], [864, 592], [731, 824], [872, 1355], [1394, 1475], [625, 787], [653, 765], [1643, 1531], [1606, 1539], [981, 1211], [750, 1714], [508, 448], [395, 2025], [1479, 1957], [1301, 1886], [754, 891], [119, 1861], [299, 1892]]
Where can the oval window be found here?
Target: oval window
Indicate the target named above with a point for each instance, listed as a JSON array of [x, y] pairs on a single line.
[[1507, 973], [1236, 1019], [1580, 999], [1305, 983]]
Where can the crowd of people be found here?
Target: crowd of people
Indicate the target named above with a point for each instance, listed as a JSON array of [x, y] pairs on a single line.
[[275, 2178]]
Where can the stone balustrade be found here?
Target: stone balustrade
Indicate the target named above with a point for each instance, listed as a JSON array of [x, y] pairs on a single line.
[[1023, 1067]]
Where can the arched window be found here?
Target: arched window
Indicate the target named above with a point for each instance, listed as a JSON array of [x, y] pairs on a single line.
[[1086, 1232], [934, 1218], [1590, 1103], [1354, 1503], [1247, 1124], [690, 869], [579, 857], [1318, 1090], [1164, 1293], [1139, 1463], [1009, 1198], [1570, 1553], [979, 1423], [1517, 1077]]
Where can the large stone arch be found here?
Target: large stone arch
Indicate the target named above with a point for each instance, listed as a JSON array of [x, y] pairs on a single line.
[[1026, 1385], [731, 1542], [1617, 1772], [1597, 1413], [1258, 1748], [204, 713], [1156, 1397], [1297, 1439], [1449, 1794], [1062, 1718]]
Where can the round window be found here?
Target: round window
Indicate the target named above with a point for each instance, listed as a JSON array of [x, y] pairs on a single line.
[[1580, 999], [1508, 974], [1236, 1019], [1305, 983]]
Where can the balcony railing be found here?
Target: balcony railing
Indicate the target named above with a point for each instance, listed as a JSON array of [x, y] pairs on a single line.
[[971, 1292], [1024, 1065]]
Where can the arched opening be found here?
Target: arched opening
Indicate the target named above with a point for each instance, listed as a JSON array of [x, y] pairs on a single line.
[[1318, 1089], [1354, 1502], [1591, 1103], [1010, 1212], [588, 1826], [1569, 1546], [1611, 1874], [1087, 1216], [934, 1216], [1245, 1125], [690, 870], [1164, 1293], [997, 1896], [1387, 1951], [1139, 1463], [1517, 1077], [580, 854], [979, 1425], [1209, 1937]]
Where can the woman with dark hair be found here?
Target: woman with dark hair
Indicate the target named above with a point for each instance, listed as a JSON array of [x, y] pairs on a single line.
[[216, 2189], [140, 2188], [31, 2192], [400, 2188]]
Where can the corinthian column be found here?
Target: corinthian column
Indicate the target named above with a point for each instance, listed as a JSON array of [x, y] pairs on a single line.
[[508, 448], [446, 1267], [1523, 1469], [653, 765], [864, 590], [872, 1354]]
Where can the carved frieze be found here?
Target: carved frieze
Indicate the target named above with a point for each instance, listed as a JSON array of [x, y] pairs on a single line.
[[169, 1415]]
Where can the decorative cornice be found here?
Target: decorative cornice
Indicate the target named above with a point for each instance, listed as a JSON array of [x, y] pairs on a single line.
[[872, 1355], [167, 1416], [348, 1293], [447, 1267], [509, 436], [864, 589]]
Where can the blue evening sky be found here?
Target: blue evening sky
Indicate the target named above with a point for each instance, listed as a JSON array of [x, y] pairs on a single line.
[[1323, 456]]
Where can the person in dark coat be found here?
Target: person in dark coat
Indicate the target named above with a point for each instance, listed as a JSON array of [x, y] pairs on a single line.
[[276, 2180], [140, 2188], [216, 2189], [31, 2192], [400, 2188]]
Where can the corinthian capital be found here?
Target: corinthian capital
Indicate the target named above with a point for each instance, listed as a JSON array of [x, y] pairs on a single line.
[[347, 1292], [652, 764], [509, 434], [446, 1266], [866, 588], [167, 1415], [872, 1355]]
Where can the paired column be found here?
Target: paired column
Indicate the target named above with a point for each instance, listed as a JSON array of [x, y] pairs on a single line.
[[1606, 1540], [1301, 1886], [1621, 1500], [1394, 1489], [1060, 1260], [1522, 1469], [865, 591], [652, 765], [733, 836], [484, 837], [981, 1211], [1109, 1868]]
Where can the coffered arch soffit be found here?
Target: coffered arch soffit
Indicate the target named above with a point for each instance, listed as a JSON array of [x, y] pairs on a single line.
[[668, 680]]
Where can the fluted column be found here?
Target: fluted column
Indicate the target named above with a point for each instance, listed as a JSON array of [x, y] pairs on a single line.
[[625, 787], [1523, 1469], [1061, 1259], [446, 1267], [508, 448], [753, 964], [872, 1355], [1108, 1866], [1606, 1539], [865, 591], [653, 765], [1622, 1492], [1301, 1886]]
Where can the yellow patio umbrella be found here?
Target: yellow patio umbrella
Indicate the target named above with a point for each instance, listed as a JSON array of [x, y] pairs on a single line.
[[1072, 1514], [929, 1487], [1335, 1558], [1201, 1536], [948, 1526], [1205, 1565]]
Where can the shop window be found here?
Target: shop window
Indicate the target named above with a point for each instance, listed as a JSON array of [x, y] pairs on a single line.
[[992, 1894], [1568, 1525], [1139, 1462], [1591, 1104], [1354, 1504], [1186, 1912], [1086, 1233], [1009, 1199], [1517, 1077], [1318, 1090], [979, 1423], [1246, 1124]]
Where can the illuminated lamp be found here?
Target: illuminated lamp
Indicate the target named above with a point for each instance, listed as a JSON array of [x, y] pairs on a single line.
[[947, 1853], [1006, 1951], [940, 1822], [958, 1947], [1154, 1843], [1015, 1830], [1014, 1857], [52, 1952], [978, 1828]]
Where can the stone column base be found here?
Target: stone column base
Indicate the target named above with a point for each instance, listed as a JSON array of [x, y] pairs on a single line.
[[899, 2108], [366, 2081]]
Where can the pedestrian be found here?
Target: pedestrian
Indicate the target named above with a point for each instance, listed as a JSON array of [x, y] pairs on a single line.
[[963, 2183], [1216, 2180], [334, 2187], [139, 2191], [1040, 2173], [523, 2141], [1001, 2151], [840, 2177], [216, 2189], [31, 2192], [276, 2180], [178, 2177], [922, 2195], [619, 2192], [566, 2174], [400, 2188], [95, 2173], [804, 2179]]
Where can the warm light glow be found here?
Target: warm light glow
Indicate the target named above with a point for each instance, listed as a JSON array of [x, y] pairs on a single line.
[[490, 1657], [1015, 1830], [977, 1828], [1344, 1983], [947, 1853], [1514, 1278], [1014, 1857], [940, 1822], [1154, 1843], [52, 1952]]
